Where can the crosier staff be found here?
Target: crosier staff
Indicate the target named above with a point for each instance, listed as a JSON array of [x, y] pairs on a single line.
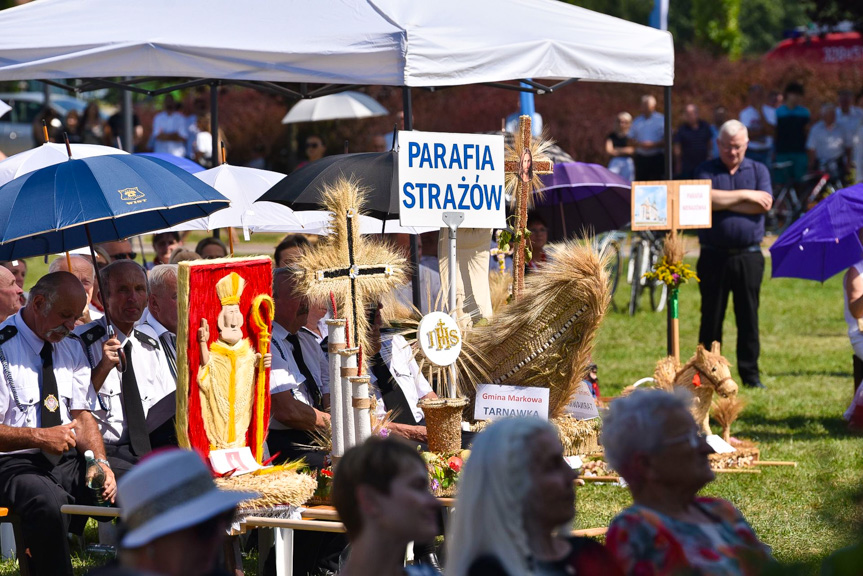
[[263, 312]]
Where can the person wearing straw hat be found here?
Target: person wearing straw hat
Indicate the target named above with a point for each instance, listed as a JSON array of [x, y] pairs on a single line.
[[173, 517]]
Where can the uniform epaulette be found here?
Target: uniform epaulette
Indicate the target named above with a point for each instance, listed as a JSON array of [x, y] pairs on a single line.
[[146, 339], [93, 334], [7, 333]]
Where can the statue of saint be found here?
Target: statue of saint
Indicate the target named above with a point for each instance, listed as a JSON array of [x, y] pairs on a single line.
[[226, 378]]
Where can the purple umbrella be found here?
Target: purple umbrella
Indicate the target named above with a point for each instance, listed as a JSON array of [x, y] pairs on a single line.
[[581, 197], [178, 161], [824, 241]]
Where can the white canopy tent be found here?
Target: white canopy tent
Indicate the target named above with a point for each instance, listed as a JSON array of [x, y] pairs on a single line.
[[383, 42], [407, 43]]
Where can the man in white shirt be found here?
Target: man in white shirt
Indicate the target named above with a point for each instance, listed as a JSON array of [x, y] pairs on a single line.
[[82, 268], [397, 382], [828, 145], [648, 132], [299, 395], [760, 121], [159, 322], [848, 116], [10, 294], [170, 130], [120, 401], [45, 426]]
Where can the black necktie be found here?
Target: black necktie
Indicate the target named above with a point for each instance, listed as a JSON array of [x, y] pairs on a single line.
[[393, 396], [50, 407], [169, 344], [311, 385], [132, 407]]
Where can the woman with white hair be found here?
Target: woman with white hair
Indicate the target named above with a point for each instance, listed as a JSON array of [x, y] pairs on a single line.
[[651, 439], [516, 502]]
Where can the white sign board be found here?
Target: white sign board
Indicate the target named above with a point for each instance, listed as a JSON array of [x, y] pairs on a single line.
[[239, 461], [442, 172], [493, 401], [582, 406], [439, 338], [719, 445], [694, 208]]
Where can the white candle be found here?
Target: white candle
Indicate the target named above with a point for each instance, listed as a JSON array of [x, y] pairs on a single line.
[[336, 343], [349, 369], [361, 404]]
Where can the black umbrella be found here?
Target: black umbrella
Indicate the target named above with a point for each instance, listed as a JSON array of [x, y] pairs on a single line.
[[376, 171]]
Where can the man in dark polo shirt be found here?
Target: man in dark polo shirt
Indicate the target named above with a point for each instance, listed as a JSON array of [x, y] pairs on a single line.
[[731, 258]]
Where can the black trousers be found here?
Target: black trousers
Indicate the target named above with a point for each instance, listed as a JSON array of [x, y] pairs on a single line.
[[650, 167], [121, 458], [740, 274], [34, 489]]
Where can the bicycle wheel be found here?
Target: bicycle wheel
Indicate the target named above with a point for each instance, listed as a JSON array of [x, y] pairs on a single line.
[[658, 288], [613, 267], [783, 213], [638, 258]]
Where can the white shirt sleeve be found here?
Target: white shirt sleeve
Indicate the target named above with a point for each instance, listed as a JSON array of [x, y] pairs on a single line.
[[284, 373]]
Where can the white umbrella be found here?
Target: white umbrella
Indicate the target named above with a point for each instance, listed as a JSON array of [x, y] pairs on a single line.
[[316, 222], [343, 105], [4, 108], [48, 154], [242, 186]]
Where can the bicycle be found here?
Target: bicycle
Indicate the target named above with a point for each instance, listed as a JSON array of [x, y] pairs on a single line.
[[788, 206], [610, 243], [645, 251]]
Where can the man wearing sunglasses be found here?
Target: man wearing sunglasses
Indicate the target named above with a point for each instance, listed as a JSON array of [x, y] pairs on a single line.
[[119, 250]]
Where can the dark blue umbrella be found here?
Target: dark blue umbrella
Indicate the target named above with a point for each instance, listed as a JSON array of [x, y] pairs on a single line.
[[824, 241], [580, 197], [60, 207], [178, 161]]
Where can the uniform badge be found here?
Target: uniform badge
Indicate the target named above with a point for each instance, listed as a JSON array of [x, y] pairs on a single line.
[[51, 403]]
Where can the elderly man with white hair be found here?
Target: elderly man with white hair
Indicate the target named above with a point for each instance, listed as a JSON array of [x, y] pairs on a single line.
[[82, 268], [731, 260], [159, 322]]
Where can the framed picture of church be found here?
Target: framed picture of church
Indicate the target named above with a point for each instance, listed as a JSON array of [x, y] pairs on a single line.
[[223, 326], [650, 206]]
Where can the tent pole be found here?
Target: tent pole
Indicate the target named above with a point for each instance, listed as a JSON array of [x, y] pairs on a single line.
[[128, 123], [407, 109], [214, 131], [669, 168]]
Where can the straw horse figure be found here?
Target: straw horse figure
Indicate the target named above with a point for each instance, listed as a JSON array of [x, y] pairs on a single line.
[[705, 373]]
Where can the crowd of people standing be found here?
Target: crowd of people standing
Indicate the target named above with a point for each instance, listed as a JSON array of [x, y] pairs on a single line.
[[783, 134]]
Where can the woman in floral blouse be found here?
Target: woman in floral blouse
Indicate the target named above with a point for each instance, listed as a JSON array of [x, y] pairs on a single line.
[[652, 440]]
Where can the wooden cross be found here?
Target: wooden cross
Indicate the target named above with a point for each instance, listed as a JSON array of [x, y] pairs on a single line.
[[354, 269], [525, 185]]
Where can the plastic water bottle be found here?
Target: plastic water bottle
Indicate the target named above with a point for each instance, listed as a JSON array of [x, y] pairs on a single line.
[[95, 478]]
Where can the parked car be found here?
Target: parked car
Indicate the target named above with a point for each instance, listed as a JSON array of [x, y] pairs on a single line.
[[16, 126]]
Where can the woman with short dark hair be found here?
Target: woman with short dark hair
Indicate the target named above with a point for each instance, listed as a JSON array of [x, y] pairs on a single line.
[[381, 492]]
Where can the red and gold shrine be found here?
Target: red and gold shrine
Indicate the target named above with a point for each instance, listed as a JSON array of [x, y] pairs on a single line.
[[225, 314]]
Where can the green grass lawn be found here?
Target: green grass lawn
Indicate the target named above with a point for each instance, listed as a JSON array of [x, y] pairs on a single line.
[[804, 513]]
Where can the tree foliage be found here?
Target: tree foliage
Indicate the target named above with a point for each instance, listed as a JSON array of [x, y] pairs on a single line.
[[730, 27]]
